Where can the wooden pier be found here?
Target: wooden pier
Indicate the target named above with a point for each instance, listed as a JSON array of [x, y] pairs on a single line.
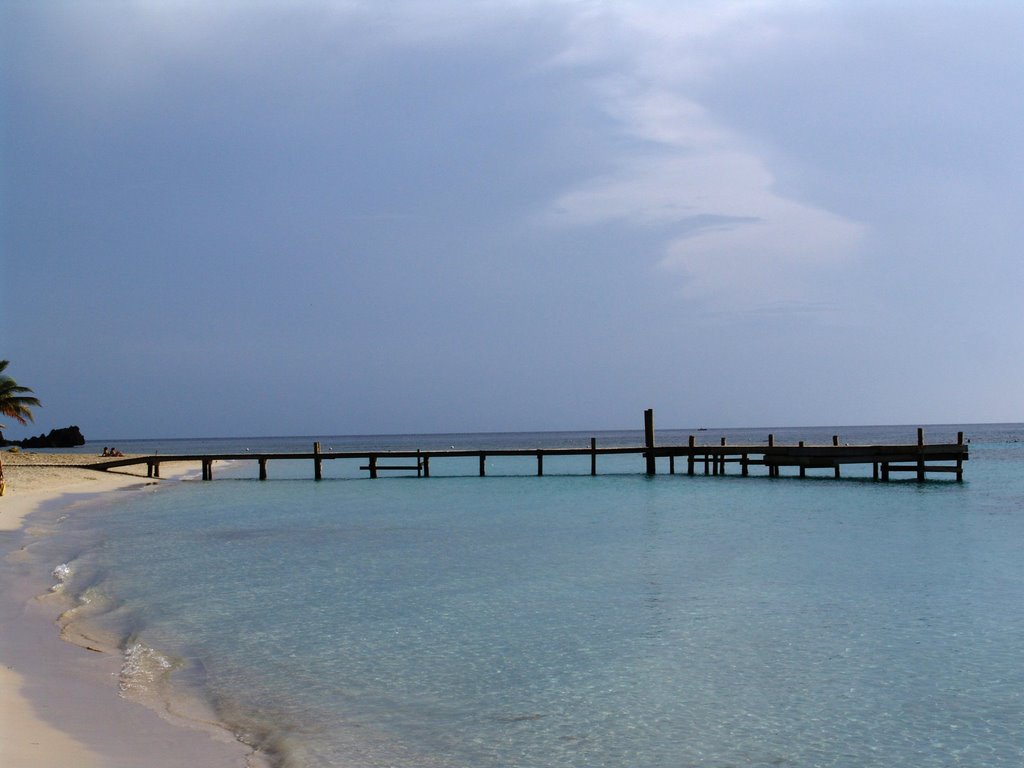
[[919, 459]]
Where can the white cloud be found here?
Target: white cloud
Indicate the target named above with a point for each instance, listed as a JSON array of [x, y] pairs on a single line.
[[739, 244]]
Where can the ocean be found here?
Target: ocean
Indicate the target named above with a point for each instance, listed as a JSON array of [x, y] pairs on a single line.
[[568, 620]]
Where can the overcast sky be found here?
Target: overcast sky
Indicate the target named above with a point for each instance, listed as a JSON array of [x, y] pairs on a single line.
[[329, 217]]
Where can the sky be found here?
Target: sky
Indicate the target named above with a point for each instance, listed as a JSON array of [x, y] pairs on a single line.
[[345, 217]]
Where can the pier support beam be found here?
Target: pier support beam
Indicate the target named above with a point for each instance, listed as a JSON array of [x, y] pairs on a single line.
[[920, 455], [649, 441], [263, 469], [483, 462], [540, 463], [318, 468], [835, 442], [593, 456]]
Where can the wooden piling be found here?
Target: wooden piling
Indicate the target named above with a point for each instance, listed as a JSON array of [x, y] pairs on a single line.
[[803, 469], [593, 456], [920, 454], [721, 458], [649, 441], [373, 467], [835, 442], [690, 457], [959, 462], [483, 468], [540, 463], [318, 472], [263, 469]]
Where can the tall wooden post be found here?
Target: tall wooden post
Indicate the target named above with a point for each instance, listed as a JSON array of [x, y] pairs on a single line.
[[483, 462], [920, 454], [690, 459], [540, 463], [649, 441], [722, 458], [426, 466], [593, 456], [773, 470], [263, 469], [959, 461], [803, 469], [835, 442], [317, 462], [373, 467]]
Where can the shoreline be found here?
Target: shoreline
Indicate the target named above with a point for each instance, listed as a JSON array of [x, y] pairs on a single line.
[[59, 701]]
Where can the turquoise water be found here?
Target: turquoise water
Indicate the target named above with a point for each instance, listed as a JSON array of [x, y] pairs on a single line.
[[580, 621]]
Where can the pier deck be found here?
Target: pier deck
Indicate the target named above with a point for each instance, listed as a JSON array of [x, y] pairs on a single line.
[[917, 458]]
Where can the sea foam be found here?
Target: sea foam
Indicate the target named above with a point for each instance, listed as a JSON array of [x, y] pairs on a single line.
[[61, 574], [142, 669]]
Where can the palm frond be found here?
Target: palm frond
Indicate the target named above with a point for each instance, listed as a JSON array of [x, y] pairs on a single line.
[[13, 401]]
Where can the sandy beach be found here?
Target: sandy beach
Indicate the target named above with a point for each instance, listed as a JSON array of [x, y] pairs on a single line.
[[59, 703]]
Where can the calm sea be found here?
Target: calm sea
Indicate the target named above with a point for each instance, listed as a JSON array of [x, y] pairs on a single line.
[[570, 620]]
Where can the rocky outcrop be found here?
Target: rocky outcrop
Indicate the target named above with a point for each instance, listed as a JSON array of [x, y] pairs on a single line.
[[68, 437]]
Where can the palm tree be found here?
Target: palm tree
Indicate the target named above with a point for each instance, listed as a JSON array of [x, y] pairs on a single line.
[[14, 403]]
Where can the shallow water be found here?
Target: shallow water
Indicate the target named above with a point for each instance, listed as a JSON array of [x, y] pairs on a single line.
[[572, 620]]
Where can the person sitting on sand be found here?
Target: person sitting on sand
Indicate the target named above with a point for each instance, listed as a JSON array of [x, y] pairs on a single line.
[[106, 451]]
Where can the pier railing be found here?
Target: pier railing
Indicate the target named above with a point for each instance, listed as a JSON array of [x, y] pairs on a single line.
[[917, 458]]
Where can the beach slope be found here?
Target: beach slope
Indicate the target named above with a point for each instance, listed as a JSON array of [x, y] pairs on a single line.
[[59, 703]]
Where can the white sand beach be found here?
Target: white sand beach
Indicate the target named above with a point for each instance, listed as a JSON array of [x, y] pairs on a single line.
[[59, 703]]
